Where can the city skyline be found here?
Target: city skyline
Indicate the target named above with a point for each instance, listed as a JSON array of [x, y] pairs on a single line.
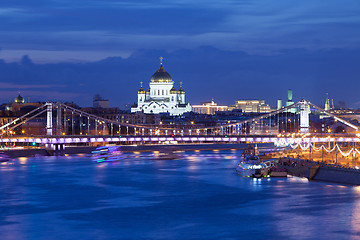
[[183, 65]]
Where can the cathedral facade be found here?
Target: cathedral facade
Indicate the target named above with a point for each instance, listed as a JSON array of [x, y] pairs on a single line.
[[161, 97]]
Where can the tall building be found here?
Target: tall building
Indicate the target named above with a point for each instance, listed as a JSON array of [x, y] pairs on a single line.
[[290, 101], [327, 103], [208, 108], [251, 106], [162, 97]]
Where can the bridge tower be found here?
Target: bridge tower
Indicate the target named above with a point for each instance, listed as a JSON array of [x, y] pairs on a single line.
[[49, 129], [304, 116], [58, 119]]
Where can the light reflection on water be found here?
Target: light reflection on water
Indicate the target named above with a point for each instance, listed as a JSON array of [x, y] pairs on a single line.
[[198, 196]]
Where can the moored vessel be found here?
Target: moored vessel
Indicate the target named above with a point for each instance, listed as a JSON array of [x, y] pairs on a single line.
[[251, 166]]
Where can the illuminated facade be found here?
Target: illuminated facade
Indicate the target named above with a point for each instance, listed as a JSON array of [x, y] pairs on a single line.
[[161, 97], [251, 106], [208, 108]]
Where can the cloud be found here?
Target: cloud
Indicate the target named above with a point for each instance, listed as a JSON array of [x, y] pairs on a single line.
[[42, 96], [99, 27], [7, 85]]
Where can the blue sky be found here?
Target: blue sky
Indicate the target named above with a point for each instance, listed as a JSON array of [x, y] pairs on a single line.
[[250, 32]]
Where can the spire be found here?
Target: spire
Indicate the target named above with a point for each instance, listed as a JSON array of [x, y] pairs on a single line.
[[327, 102], [161, 58], [181, 90], [141, 90]]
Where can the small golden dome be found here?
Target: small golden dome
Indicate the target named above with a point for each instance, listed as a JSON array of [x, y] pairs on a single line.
[[141, 90], [181, 90], [173, 90]]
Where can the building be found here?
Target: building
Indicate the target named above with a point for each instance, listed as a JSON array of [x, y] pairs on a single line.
[[251, 106], [161, 97], [99, 102], [327, 103], [290, 102], [208, 108]]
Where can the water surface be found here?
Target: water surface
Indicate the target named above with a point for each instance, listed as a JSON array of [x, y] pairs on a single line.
[[196, 197]]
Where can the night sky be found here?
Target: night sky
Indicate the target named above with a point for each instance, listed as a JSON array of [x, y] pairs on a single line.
[[226, 50]]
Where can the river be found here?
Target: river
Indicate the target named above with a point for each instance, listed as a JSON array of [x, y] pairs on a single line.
[[198, 196]]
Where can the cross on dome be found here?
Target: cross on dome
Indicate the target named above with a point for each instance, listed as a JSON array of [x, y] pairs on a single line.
[[161, 58]]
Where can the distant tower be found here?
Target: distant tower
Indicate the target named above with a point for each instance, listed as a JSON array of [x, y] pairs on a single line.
[[290, 96], [327, 103], [279, 104], [290, 101]]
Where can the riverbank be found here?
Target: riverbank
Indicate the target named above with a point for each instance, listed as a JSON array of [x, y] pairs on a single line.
[[320, 171], [70, 150]]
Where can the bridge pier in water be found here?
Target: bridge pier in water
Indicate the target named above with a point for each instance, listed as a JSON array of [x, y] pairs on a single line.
[[55, 149]]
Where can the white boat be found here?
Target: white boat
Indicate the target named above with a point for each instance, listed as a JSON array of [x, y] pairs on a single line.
[[251, 166], [106, 154]]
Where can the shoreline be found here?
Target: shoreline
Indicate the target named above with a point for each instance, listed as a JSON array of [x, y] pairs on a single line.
[[320, 172], [70, 150]]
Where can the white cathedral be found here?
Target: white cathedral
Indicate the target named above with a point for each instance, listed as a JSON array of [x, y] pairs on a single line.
[[162, 96]]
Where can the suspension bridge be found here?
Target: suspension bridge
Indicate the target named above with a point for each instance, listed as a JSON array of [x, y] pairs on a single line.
[[67, 125]]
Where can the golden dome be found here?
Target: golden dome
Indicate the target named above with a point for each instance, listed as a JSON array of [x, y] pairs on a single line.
[[19, 99], [181, 90], [173, 90], [161, 75], [141, 90]]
